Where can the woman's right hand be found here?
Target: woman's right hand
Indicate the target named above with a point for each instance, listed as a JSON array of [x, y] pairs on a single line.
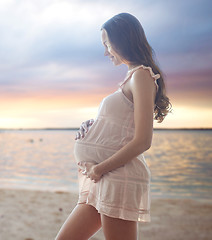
[[84, 129]]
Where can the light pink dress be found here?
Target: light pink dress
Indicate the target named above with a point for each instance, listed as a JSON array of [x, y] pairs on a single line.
[[124, 192]]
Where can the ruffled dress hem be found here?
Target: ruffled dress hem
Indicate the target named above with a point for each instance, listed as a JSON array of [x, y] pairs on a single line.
[[114, 211]]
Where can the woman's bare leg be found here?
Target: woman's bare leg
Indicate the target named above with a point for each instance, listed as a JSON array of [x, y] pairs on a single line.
[[118, 229], [81, 224]]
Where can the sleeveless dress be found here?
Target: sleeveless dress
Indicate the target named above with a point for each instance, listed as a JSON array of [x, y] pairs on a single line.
[[124, 192]]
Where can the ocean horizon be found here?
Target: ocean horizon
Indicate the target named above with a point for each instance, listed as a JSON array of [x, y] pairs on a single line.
[[75, 128]]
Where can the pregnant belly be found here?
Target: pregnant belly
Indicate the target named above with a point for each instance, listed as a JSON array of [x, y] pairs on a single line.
[[136, 168], [84, 152]]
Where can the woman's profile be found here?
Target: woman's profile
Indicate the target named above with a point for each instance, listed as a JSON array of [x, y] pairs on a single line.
[[114, 179]]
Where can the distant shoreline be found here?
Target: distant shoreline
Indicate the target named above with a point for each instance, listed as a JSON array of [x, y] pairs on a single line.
[[74, 129]]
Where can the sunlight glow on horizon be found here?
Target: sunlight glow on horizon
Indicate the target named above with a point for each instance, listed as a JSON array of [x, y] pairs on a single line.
[[71, 112]]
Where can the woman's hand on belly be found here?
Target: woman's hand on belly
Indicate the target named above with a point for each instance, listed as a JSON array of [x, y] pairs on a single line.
[[84, 129], [90, 171]]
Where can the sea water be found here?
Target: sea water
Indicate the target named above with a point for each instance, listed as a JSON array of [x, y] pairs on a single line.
[[180, 162]]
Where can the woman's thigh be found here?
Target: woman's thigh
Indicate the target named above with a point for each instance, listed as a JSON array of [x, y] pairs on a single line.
[[115, 228], [81, 224]]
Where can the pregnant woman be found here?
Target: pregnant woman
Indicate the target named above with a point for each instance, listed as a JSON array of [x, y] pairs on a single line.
[[114, 179]]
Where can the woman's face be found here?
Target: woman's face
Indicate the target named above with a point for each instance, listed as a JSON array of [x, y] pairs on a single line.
[[109, 51]]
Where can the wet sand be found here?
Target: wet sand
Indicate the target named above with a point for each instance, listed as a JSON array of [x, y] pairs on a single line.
[[36, 215]]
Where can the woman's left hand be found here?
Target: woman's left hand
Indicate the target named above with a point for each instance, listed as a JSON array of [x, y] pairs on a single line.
[[90, 171]]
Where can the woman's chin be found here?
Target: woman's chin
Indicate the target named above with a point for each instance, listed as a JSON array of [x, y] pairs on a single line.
[[117, 63]]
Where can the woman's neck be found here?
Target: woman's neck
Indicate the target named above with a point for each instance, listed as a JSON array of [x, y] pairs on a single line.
[[130, 67]]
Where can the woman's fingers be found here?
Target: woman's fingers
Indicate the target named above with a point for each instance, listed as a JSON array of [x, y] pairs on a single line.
[[84, 129], [81, 131], [83, 164], [87, 169], [77, 135], [85, 126], [91, 121]]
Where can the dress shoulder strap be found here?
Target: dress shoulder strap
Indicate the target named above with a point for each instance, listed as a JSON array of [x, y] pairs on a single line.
[[130, 73]]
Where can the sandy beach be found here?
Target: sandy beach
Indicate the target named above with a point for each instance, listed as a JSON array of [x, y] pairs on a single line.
[[36, 215]]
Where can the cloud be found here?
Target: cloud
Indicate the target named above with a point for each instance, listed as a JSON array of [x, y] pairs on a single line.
[[34, 33], [54, 79]]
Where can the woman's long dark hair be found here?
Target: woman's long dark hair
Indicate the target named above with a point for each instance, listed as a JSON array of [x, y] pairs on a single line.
[[128, 39]]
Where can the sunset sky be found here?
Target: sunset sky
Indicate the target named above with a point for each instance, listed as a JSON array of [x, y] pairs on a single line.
[[53, 69]]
